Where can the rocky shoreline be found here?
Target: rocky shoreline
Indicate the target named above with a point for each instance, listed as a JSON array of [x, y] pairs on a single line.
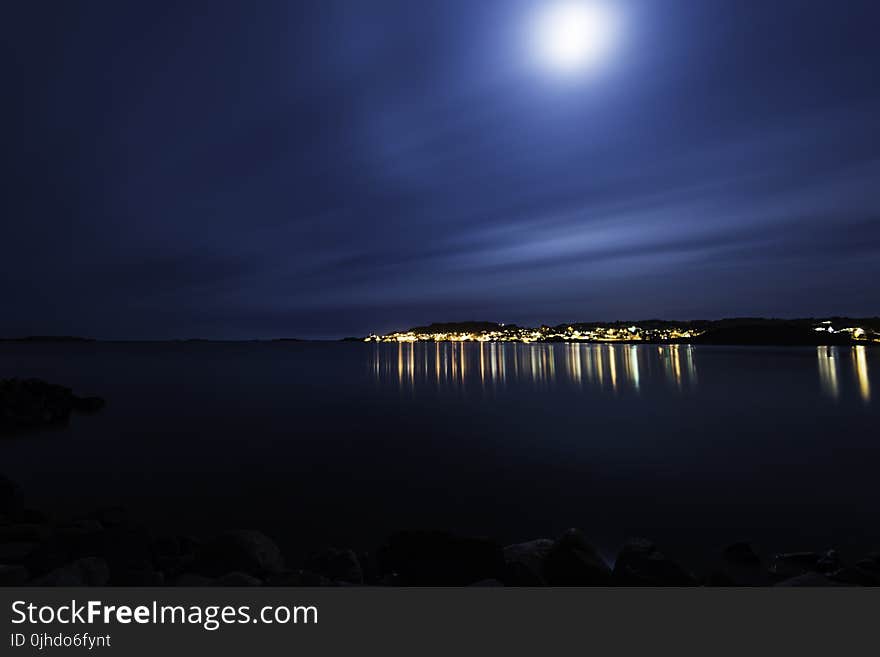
[[107, 547]]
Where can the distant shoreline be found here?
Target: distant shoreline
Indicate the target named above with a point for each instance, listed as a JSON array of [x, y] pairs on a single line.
[[747, 331], [834, 331], [329, 341]]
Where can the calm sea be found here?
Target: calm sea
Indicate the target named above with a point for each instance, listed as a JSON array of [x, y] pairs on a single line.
[[343, 443]]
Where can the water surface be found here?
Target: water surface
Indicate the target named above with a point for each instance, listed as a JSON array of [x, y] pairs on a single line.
[[342, 443]]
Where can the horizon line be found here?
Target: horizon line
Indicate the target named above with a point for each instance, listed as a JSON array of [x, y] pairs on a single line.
[[50, 337]]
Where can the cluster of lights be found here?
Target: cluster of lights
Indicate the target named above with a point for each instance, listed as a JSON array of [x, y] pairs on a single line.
[[589, 334], [855, 332], [544, 334]]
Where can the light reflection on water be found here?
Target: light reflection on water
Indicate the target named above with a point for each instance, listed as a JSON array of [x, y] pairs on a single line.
[[832, 363], [860, 361], [612, 367], [487, 364]]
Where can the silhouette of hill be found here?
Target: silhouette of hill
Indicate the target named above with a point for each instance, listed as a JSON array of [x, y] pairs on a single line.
[[770, 334]]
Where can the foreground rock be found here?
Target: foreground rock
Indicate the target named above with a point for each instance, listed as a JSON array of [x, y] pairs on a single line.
[[525, 563], [740, 565], [865, 572], [32, 403], [340, 566], [794, 564], [573, 561], [245, 551], [106, 547], [640, 563], [90, 571], [434, 558]]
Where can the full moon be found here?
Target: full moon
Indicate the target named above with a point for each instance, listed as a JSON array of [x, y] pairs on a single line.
[[571, 36]]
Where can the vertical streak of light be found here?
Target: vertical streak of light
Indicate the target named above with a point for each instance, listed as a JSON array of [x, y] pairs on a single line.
[[676, 363], [612, 366], [545, 365], [574, 363], [691, 367], [454, 361], [828, 371], [533, 359], [663, 357], [634, 354], [504, 353], [579, 352], [588, 359], [860, 361], [462, 360]]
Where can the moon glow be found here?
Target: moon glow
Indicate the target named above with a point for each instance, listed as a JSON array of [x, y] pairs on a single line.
[[573, 36]]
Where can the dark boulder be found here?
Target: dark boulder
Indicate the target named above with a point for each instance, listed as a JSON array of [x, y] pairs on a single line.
[[855, 576], [90, 571], [173, 555], [248, 551], [434, 558], [870, 563], [137, 577], [573, 561], [298, 578], [739, 565], [126, 551], [337, 565], [812, 579], [237, 579], [166, 546], [791, 564], [68, 542], [524, 563], [640, 563], [193, 579], [865, 572], [518, 574], [31, 403]]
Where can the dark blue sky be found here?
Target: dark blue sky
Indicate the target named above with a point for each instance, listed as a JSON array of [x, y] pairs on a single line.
[[258, 169]]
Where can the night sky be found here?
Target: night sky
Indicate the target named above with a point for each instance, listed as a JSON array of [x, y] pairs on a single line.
[[319, 169]]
